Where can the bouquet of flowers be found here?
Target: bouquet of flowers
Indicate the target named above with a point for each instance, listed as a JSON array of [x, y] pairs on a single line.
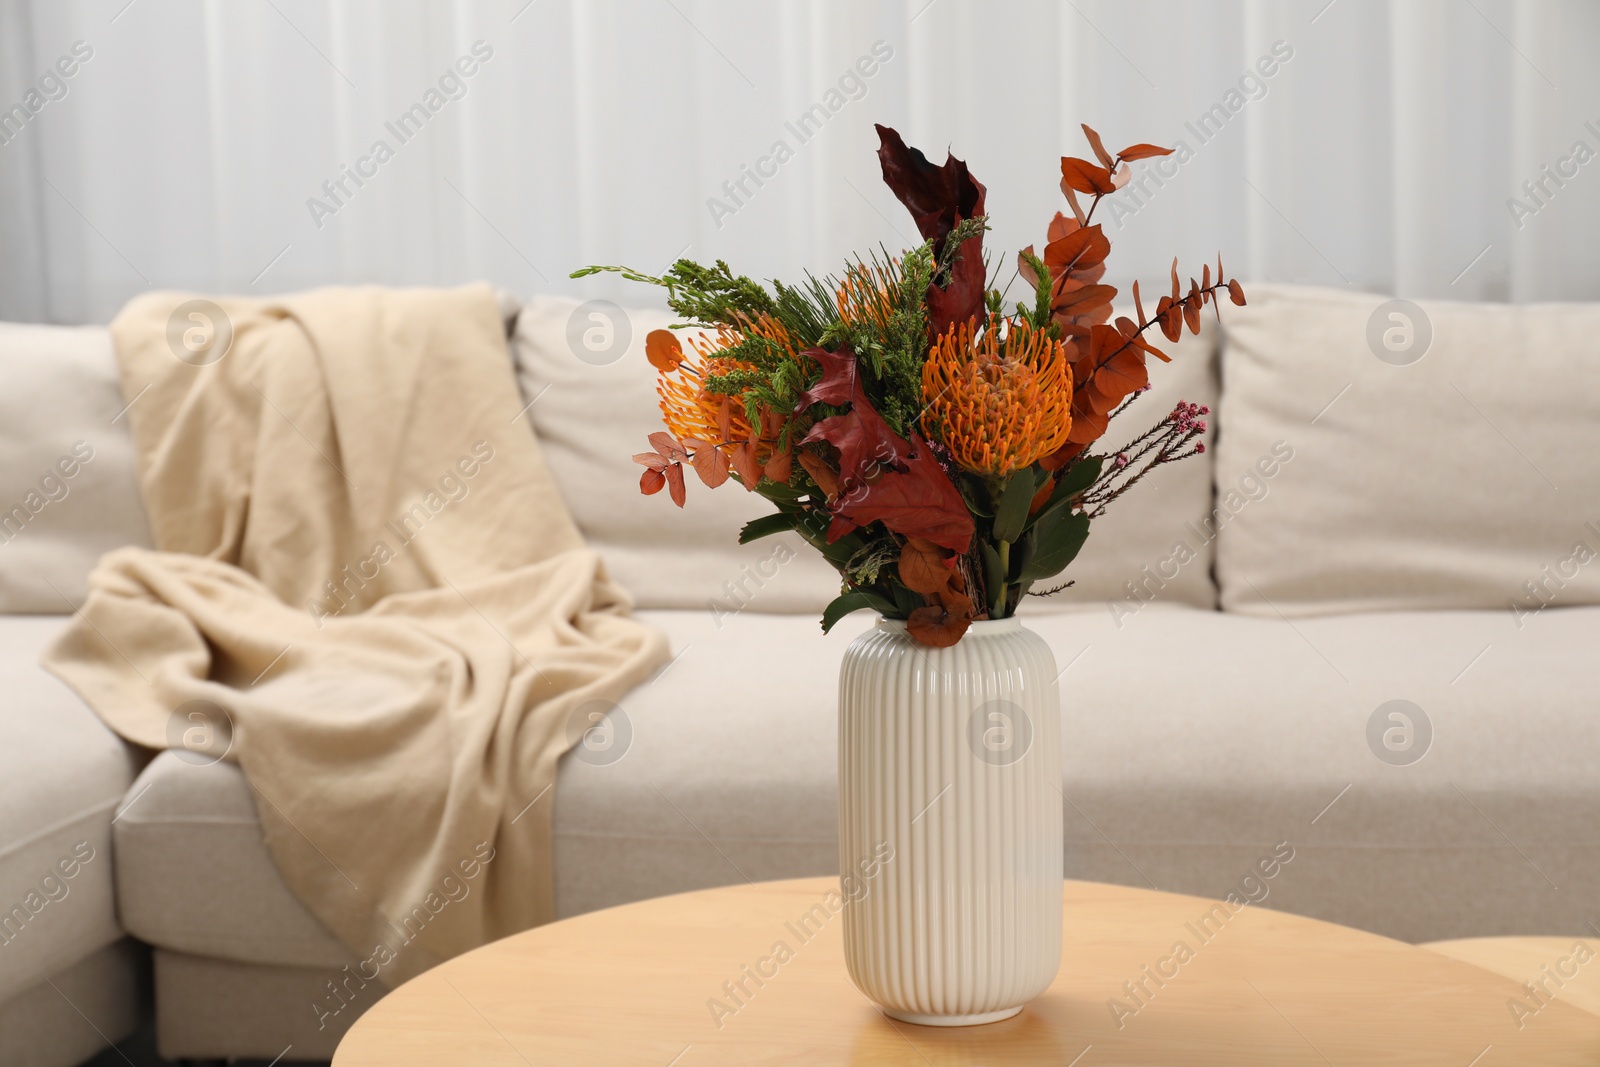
[[935, 446]]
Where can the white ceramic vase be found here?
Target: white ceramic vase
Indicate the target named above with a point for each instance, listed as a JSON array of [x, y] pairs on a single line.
[[950, 821]]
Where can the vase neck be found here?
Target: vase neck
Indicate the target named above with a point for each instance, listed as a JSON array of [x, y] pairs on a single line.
[[981, 628]]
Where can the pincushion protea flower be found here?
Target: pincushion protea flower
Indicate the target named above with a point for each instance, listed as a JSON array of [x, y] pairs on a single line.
[[867, 295], [701, 396], [689, 411], [1000, 401], [688, 405], [940, 449]]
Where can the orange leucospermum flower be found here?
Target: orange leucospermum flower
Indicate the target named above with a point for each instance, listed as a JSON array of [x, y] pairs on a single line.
[[866, 295], [998, 402], [686, 407]]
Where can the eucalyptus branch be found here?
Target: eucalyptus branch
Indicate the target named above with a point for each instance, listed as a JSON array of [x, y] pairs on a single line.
[[1196, 294]]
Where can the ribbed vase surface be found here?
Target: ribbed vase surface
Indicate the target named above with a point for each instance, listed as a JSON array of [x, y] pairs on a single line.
[[949, 798]]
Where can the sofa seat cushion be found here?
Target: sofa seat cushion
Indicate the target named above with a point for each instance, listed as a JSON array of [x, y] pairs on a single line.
[[69, 1016], [1252, 738], [62, 775]]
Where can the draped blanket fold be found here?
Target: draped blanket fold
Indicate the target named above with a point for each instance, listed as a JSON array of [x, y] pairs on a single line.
[[367, 592]]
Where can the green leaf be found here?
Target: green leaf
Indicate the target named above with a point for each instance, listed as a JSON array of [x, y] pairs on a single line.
[[905, 601], [781, 492], [1023, 551], [1077, 478], [1057, 548], [843, 605], [766, 526], [975, 496], [1047, 518], [1012, 509], [1074, 480]]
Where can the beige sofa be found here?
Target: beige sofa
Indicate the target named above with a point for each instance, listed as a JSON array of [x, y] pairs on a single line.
[[1368, 526]]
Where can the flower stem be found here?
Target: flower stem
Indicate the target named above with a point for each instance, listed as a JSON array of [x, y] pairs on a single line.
[[997, 604]]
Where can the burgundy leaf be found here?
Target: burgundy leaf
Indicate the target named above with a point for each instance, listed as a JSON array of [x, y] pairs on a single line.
[[937, 197], [919, 501]]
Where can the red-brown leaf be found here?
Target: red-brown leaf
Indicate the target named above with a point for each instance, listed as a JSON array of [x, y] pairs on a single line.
[[1076, 300], [1025, 269], [1143, 151], [1100, 152], [675, 483], [838, 382], [924, 566], [663, 351], [865, 442], [1236, 292], [933, 625], [917, 501], [709, 462], [1080, 249], [744, 461], [669, 446], [1085, 177], [960, 301], [1172, 323], [779, 466], [652, 460], [1042, 497], [826, 477], [1059, 227], [651, 481]]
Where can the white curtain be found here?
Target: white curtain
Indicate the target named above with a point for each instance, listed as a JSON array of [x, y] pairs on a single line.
[[1437, 148]]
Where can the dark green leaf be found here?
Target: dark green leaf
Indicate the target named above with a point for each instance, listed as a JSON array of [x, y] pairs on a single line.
[[975, 496], [905, 601], [1077, 478], [766, 526], [1074, 480], [1046, 520], [1057, 548], [855, 600], [781, 492], [1023, 550], [1012, 509]]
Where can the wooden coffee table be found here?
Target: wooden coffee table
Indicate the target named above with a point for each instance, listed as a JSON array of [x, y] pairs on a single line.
[[642, 984]]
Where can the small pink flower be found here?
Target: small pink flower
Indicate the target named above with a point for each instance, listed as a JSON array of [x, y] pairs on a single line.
[[1122, 459], [1200, 448]]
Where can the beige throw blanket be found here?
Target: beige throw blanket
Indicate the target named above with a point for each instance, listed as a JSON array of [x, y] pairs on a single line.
[[365, 565]]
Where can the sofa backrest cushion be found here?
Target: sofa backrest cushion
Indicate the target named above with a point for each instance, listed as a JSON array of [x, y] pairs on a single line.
[[594, 403], [1400, 456], [69, 487]]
